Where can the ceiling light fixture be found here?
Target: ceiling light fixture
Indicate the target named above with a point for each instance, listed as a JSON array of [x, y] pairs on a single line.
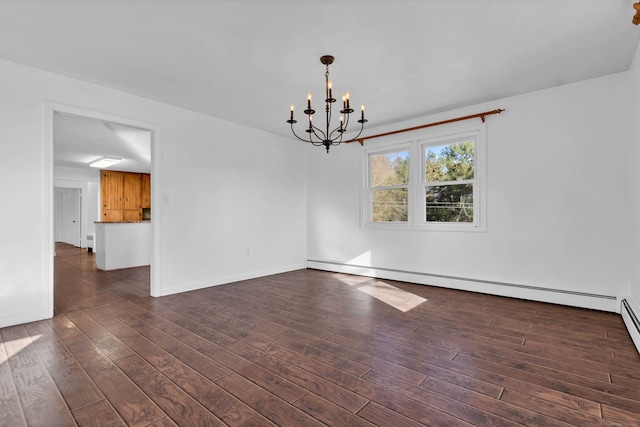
[[104, 162], [327, 138]]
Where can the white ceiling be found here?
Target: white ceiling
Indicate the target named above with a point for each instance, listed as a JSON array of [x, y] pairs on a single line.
[[247, 61], [80, 140]]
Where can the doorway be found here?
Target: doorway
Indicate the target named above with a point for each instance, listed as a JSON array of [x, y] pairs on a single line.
[[71, 179], [68, 216]]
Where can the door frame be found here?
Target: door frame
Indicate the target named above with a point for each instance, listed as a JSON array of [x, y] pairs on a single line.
[[50, 108]]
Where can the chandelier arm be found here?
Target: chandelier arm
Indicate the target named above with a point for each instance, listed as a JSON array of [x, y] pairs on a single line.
[[338, 139], [315, 128], [355, 137], [340, 134], [344, 129], [346, 121], [296, 135]]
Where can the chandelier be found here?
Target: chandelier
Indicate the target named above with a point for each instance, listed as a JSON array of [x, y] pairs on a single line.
[[326, 137]]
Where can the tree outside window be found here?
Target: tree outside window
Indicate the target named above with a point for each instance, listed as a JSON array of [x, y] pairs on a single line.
[[390, 186], [449, 181]]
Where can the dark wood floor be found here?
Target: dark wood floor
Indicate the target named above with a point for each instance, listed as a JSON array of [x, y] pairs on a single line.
[[310, 348]]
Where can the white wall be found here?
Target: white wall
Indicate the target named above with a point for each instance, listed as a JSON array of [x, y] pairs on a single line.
[[228, 187], [558, 195], [633, 295]]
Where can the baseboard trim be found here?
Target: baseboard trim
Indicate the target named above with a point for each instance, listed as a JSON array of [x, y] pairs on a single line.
[[513, 290], [21, 318], [631, 322], [229, 279]]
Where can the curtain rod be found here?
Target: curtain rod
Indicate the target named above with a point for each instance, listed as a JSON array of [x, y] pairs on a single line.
[[457, 119]]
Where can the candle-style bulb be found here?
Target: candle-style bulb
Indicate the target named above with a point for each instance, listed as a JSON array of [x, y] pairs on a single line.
[[309, 96], [292, 107], [329, 85], [362, 107]]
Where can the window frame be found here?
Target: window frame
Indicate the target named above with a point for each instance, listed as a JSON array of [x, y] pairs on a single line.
[[416, 146], [370, 189]]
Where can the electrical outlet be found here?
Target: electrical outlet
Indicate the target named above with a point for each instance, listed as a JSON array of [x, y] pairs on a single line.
[[249, 251], [343, 248]]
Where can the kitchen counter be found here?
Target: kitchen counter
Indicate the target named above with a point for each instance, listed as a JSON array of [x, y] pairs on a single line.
[[120, 222], [123, 244]]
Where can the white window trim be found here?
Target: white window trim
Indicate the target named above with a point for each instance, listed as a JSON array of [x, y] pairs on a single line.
[[368, 191], [416, 144]]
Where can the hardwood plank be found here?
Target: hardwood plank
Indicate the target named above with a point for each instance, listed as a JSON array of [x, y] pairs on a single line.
[[599, 384], [394, 401], [276, 410], [32, 381], [447, 402], [329, 413], [272, 382], [127, 399], [363, 358], [155, 355], [172, 343], [553, 383], [225, 406], [529, 388], [318, 385], [163, 422], [100, 413], [550, 409], [175, 402], [620, 417], [73, 382], [381, 416], [10, 407]]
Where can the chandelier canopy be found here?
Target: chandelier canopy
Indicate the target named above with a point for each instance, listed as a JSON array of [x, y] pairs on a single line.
[[327, 137]]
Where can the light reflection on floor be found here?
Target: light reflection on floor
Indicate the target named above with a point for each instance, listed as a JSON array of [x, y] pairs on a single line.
[[15, 346], [389, 294]]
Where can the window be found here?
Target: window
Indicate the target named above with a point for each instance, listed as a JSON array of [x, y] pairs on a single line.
[[449, 181], [389, 186], [433, 182]]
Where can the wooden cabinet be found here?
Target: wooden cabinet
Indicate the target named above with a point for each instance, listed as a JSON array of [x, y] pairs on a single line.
[[132, 215], [132, 196], [122, 195], [113, 215], [132, 188], [146, 190], [112, 187]]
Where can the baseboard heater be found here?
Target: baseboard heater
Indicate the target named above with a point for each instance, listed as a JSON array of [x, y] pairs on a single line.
[[466, 279], [632, 315], [587, 300]]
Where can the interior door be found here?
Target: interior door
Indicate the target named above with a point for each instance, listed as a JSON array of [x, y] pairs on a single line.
[[70, 216]]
